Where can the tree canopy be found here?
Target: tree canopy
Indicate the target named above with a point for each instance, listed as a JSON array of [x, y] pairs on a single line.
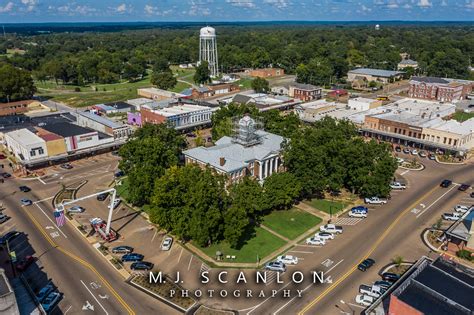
[[202, 74], [260, 85], [15, 84]]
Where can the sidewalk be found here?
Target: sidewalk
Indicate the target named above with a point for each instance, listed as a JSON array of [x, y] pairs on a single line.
[[305, 207]]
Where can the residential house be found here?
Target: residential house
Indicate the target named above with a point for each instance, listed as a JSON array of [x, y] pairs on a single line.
[[407, 63]]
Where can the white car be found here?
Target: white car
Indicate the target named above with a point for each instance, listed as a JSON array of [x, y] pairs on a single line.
[[117, 201], [315, 241], [400, 160], [356, 214], [331, 228], [364, 300], [452, 216], [324, 235], [288, 259], [76, 209], [414, 152], [166, 244], [397, 185], [375, 201], [461, 208]]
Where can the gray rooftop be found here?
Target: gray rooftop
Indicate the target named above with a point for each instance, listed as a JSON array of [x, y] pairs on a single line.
[[430, 80], [460, 229], [302, 86], [101, 120], [376, 72], [236, 155], [408, 62]]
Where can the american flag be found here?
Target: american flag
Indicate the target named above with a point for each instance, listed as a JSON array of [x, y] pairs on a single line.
[[59, 216]]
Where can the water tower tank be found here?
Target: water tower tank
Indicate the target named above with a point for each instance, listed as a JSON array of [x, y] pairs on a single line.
[[208, 49]]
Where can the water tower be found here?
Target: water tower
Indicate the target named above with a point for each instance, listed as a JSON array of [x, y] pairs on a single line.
[[208, 49]]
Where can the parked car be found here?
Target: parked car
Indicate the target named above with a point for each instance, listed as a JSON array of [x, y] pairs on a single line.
[[66, 166], [315, 241], [44, 292], [50, 301], [461, 208], [472, 195], [76, 209], [3, 218], [132, 257], [275, 266], [414, 152], [141, 265], [115, 153], [373, 290], [422, 154], [288, 259], [117, 201], [375, 201], [398, 185], [398, 149], [2, 156], [360, 209], [166, 244], [406, 150], [383, 284], [364, 300], [356, 214], [324, 235], [122, 249], [446, 183], [8, 237], [25, 263], [26, 202], [331, 228], [102, 197], [25, 189], [464, 187], [431, 156], [400, 160], [119, 173], [366, 264], [391, 277], [6, 175], [452, 216]]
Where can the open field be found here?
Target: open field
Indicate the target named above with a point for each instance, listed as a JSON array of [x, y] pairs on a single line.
[[290, 223], [327, 205], [261, 244]]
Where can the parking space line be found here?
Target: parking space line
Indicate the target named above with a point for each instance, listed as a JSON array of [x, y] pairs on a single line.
[[54, 223], [424, 210], [356, 305], [68, 309], [190, 260], [181, 253], [154, 235], [94, 297], [302, 252], [45, 199]]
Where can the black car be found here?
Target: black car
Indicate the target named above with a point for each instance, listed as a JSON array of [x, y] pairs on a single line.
[[119, 173], [8, 237], [383, 284], [66, 166], [472, 195], [6, 175], [141, 265], [398, 149], [464, 187], [122, 249], [366, 264], [406, 151], [446, 183], [102, 197], [25, 188], [390, 277]]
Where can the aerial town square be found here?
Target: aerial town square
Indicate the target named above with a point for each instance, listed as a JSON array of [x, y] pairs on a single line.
[[224, 157]]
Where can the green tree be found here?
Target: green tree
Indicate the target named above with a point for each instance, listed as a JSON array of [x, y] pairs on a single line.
[[236, 222], [247, 194], [202, 74], [260, 85], [163, 80], [397, 260], [281, 190], [132, 72], [15, 84]]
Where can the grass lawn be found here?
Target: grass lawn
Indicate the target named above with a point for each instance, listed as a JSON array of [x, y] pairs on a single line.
[[245, 83], [290, 223], [462, 116], [180, 86], [260, 242], [325, 205]]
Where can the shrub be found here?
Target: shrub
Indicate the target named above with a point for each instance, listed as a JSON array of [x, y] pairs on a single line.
[[77, 89], [464, 254]]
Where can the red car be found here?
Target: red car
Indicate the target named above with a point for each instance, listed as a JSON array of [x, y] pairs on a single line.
[[25, 263], [2, 157]]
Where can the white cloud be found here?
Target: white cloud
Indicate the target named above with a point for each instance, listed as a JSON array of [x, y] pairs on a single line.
[[122, 8], [30, 4], [280, 4], [392, 5], [73, 10], [406, 6], [150, 10], [424, 3], [241, 3], [7, 7], [198, 7], [365, 9], [470, 5]]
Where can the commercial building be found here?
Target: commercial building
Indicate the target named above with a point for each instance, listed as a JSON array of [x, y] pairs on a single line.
[[280, 90], [437, 287], [316, 110], [305, 92], [361, 103], [118, 130], [158, 94], [210, 90], [360, 78], [250, 152], [25, 145], [407, 63], [8, 302], [20, 107], [267, 72], [55, 144], [460, 235], [443, 90], [263, 101], [181, 116], [113, 108]]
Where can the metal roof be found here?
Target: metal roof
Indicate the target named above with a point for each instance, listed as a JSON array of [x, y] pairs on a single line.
[[100, 120], [430, 80], [376, 72]]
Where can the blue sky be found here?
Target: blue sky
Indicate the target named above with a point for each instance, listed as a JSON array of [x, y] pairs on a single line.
[[13, 11]]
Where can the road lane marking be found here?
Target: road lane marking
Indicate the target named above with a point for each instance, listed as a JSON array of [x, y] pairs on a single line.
[[51, 220], [82, 262], [258, 305], [45, 199], [41, 181], [95, 298], [426, 209], [371, 250], [340, 261]]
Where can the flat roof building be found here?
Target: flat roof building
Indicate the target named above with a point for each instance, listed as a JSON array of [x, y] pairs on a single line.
[[363, 76], [116, 129], [181, 116], [440, 89], [25, 145], [158, 94]]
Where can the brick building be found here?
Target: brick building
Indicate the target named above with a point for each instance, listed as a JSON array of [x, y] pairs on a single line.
[[267, 72], [305, 92], [443, 90]]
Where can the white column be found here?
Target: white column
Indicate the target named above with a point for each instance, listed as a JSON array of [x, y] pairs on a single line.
[[276, 164], [271, 166], [260, 170], [266, 168]]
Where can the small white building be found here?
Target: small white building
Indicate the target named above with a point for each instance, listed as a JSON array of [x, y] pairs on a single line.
[[25, 145], [117, 130], [362, 103]]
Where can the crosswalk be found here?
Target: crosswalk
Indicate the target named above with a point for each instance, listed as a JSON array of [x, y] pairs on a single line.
[[347, 221], [204, 267]]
